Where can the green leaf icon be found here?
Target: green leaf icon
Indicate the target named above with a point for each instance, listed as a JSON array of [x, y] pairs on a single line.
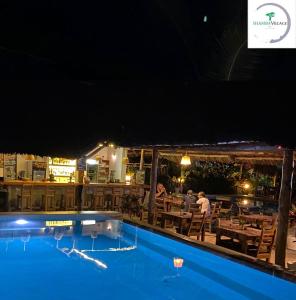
[[270, 15]]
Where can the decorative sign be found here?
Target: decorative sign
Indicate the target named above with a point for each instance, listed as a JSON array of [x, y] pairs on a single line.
[[58, 223], [39, 165], [62, 161], [81, 164], [9, 166]]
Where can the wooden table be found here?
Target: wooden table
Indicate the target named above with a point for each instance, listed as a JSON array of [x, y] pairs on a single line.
[[180, 218], [258, 219], [234, 231]]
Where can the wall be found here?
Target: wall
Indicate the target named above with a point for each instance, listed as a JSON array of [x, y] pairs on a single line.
[[23, 164], [116, 164]]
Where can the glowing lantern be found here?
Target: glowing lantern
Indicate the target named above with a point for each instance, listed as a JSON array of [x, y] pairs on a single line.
[[185, 161], [178, 262]]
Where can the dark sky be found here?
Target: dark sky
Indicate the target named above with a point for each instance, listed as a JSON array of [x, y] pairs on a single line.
[[68, 117], [136, 71], [134, 39]]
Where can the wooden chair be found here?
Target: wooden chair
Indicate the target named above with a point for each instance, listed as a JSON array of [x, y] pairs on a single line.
[[215, 212], [263, 247], [144, 215], [196, 226], [157, 214]]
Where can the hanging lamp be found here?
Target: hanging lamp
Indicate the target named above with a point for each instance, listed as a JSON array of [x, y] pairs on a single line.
[[185, 161]]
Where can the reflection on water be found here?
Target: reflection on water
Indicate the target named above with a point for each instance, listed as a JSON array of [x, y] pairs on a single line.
[[79, 232]]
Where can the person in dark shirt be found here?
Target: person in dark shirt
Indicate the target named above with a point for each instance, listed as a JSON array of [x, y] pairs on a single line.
[[189, 199]]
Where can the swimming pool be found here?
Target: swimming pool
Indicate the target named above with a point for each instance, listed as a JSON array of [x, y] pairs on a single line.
[[94, 258]]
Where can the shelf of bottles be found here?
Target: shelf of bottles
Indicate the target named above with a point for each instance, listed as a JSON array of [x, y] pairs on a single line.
[[62, 169]]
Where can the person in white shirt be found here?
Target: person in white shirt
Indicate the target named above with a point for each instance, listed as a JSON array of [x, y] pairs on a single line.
[[204, 202]]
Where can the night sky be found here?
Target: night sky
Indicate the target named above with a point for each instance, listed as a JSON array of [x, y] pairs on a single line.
[[139, 71]]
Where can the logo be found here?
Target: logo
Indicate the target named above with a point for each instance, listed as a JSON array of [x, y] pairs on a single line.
[[270, 15], [270, 24]]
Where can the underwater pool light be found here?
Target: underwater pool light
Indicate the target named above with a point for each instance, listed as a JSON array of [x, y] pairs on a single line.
[[21, 222]]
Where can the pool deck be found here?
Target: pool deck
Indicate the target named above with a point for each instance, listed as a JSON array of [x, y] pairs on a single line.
[[210, 244]]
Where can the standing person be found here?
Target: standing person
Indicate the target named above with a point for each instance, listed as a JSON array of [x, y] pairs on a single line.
[[204, 202], [189, 199]]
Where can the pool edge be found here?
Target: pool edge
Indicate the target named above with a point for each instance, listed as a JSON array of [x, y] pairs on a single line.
[[238, 257]]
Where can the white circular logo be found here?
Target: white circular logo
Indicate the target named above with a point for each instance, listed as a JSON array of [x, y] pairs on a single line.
[[271, 23]]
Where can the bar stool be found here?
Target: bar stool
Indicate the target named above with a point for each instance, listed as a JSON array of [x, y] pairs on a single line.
[[87, 196], [108, 199], [26, 197], [37, 199], [117, 197], [50, 200], [70, 198], [98, 198]]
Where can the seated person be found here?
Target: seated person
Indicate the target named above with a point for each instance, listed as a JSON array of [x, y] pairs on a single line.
[[160, 191], [205, 203], [189, 199]]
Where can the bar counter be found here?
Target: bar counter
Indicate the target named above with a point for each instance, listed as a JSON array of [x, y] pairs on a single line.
[[21, 195]]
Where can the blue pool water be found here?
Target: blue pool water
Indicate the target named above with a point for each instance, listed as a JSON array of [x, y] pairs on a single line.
[[107, 259]]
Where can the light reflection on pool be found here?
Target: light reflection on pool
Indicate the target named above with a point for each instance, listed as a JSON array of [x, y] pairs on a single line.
[[107, 259]]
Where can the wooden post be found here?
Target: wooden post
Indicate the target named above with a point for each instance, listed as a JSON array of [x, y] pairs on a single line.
[[284, 206], [153, 183], [142, 160]]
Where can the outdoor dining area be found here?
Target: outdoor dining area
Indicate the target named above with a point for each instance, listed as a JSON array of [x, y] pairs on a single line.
[[265, 231], [251, 234]]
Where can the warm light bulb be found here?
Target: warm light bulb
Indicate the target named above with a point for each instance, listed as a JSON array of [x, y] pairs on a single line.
[[246, 186], [245, 202], [114, 156]]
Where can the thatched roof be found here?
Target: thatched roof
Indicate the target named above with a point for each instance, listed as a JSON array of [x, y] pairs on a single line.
[[228, 152]]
